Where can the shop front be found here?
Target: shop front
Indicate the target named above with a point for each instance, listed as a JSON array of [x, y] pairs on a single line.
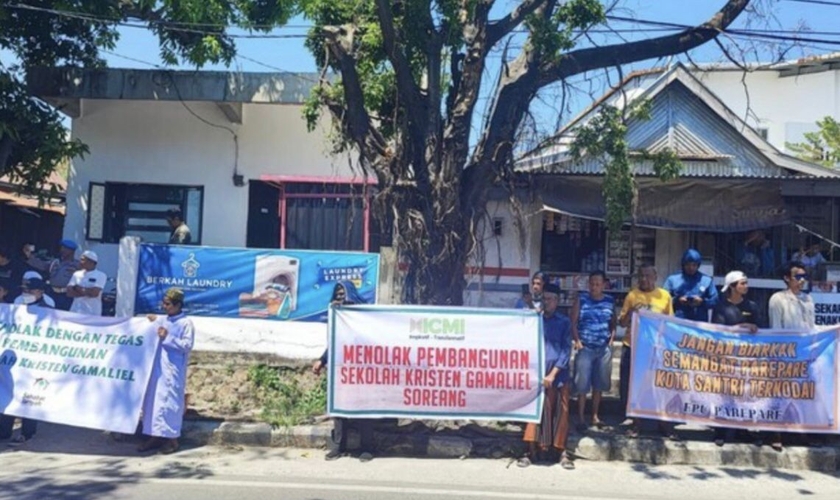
[[747, 226]]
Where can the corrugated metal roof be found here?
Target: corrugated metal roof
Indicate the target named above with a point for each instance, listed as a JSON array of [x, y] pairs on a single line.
[[691, 120]]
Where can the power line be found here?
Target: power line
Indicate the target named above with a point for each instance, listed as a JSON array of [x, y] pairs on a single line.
[[157, 23], [219, 28], [817, 2]]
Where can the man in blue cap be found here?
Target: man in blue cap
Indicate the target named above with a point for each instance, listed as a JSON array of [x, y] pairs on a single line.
[[693, 292], [60, 271]]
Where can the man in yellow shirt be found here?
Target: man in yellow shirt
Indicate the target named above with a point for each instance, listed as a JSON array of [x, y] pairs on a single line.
[[649, 297]]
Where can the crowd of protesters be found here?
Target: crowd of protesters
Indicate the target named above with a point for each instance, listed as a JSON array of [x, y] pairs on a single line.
[[76, 285], [590, 331]]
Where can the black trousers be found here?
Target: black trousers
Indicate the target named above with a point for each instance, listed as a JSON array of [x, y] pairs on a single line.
[[7, 422], [624, 379], [338, 438]]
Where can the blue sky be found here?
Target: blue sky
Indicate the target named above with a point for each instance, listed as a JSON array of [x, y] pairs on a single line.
[[138, 48], [290, 55]]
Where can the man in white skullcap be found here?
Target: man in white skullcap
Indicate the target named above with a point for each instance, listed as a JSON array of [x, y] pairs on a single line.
[[85, 287]]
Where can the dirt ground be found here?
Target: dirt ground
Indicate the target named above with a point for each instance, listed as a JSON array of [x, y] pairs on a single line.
[[218, 385]]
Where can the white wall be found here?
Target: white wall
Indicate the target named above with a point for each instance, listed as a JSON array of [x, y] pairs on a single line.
[[787, 106], [162, 143], [517, 255]]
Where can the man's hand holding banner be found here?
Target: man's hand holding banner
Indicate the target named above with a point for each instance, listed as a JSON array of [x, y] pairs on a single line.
[[73, 369], [775, 380]]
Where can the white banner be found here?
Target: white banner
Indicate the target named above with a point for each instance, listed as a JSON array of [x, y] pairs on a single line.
[[435, 362], [73, 369], [827, 308]]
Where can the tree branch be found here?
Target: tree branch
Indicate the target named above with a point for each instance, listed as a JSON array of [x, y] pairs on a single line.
[[498, 29], [580, 61], [406, 86], [529, 75], [466, 84], [371, 143]]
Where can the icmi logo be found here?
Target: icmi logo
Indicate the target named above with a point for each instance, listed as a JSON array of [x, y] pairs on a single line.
[[190, 266], [41, 384], [437, 325]]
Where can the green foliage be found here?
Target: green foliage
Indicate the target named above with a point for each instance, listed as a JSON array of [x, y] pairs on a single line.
[[413, 21], [821, 147], [32, 152], [553, 35], [605, 137], [285, 402], [33, 141]]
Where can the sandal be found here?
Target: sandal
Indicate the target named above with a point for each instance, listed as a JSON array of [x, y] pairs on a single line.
[[632, 433], [523, 462], [150, 444], [566, 462], [170, 447]]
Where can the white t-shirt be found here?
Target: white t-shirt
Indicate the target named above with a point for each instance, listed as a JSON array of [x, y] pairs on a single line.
[[88, 279], [21, 301]]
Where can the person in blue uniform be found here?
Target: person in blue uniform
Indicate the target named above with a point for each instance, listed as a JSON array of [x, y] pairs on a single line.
[[693, 292]]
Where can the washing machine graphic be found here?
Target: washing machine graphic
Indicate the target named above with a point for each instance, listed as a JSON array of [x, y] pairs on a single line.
[[276, 277]]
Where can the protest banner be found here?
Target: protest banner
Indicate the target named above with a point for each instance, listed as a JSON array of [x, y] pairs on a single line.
[[435, 362], [827, 308], [253, 283], [775, 380], [67, 368]]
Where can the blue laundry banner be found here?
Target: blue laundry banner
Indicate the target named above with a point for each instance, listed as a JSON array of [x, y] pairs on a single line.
[[684, 371], [253, 283]]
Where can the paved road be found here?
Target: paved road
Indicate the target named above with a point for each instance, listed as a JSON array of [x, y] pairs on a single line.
[[75, 464]]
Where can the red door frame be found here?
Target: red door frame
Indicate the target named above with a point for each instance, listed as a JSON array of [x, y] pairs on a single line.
[[280, 182]]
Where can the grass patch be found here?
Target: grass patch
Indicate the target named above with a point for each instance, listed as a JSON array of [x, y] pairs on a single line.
[[285, 402]]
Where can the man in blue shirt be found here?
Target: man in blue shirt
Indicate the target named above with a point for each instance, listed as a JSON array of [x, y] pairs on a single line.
[[693, 292], [554, 423]]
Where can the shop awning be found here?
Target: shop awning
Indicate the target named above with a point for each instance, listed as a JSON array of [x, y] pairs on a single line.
[[716, 205]]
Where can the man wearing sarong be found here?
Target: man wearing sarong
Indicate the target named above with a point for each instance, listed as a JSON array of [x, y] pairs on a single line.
[[553, 428], [163, 406]]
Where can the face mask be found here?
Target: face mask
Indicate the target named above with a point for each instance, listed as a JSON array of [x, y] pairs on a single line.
[[28, 298]]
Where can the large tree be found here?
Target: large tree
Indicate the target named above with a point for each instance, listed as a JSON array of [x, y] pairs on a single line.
[[33, 141], [411, 74]]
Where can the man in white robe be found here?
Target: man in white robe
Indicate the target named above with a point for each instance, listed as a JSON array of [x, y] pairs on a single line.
[[163, 406]]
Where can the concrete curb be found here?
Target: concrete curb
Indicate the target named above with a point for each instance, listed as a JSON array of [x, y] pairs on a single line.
[[651, 451]]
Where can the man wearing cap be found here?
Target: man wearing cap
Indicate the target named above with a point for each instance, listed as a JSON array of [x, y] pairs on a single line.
[[164, 402], [33, 286], [60, 272], [735, 309], [553, 428], [33, 292], [181, 234], [85, 287]]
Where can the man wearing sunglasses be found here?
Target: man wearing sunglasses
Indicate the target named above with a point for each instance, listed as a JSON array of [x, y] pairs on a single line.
[[792, 309]]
